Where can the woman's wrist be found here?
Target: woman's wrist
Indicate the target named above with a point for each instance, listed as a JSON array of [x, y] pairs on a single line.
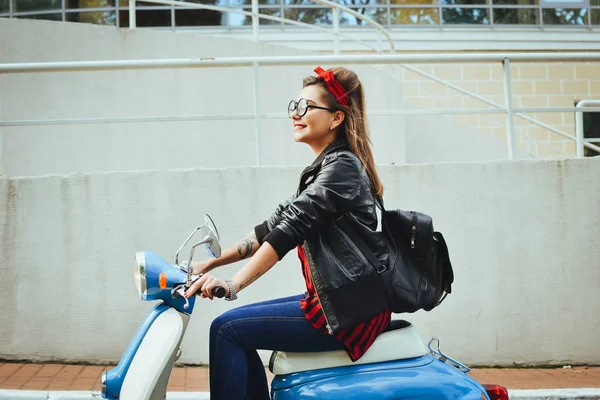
[[211, 264], [231, 290]]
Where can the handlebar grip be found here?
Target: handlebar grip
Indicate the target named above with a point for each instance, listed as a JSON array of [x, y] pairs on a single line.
[[219, 292]]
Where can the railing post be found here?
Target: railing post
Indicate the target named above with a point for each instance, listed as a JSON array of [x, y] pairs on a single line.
[[579, 131], [510, 122], [255, 20], [336, 30], [1, 141], [131, 14], [579, 125], [257, 114]]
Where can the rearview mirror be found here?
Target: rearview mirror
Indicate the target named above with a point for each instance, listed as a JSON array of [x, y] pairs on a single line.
[[212, 238]]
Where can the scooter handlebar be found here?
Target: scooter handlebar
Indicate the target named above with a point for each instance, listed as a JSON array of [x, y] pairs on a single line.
[[219, 292]]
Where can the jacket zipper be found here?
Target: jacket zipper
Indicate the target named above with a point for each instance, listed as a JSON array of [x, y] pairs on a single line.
[[312, 271]]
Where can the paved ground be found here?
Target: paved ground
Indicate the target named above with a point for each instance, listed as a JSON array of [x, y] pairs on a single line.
[[195, 379]]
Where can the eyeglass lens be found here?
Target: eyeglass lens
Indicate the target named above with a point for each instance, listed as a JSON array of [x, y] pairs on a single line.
[[300, 107]]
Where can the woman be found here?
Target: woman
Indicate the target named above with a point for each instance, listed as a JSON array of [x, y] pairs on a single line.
[[344, 306]]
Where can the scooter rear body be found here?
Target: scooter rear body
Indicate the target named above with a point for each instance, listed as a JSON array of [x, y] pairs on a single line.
[[423, 377], [397, 366]]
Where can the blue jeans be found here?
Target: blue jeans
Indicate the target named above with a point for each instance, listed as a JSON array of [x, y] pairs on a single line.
[[236, 370]]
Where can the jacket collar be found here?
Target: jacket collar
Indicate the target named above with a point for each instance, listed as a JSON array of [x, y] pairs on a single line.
[[315, 167], [333, 146]]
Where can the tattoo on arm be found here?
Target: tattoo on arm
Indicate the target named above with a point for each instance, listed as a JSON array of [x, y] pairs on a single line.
[[249, 281], [244, 248], [246, 245]]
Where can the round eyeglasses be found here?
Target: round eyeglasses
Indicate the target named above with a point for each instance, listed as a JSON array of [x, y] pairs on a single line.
[[301, 107]]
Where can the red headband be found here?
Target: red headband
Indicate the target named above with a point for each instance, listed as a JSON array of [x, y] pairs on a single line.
[[334, 87]]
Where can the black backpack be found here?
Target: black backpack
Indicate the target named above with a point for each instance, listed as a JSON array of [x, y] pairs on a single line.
[[419, 274]]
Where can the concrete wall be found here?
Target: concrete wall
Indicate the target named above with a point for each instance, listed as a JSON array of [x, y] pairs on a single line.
[[60, 149], [523, 239]]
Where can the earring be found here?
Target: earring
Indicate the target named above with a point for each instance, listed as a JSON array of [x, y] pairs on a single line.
[[331, 128]]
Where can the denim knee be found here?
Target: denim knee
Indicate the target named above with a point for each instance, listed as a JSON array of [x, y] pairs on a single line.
[[221, 326]]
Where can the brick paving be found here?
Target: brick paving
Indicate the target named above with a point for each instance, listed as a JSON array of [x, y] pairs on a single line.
[[195, 379]]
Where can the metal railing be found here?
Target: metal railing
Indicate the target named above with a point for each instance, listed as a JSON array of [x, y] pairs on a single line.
[[581, 140], [335, 31], [336, 8], [508, 108]]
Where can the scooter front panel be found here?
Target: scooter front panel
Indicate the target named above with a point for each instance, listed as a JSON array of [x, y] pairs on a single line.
[[154, 356], [419, 378], [115, 376]]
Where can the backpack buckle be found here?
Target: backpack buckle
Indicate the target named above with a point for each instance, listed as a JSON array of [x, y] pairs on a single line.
[[381, 269]]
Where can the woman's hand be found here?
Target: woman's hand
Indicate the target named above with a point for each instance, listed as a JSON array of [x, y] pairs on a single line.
[[205, 284], [200, 267]]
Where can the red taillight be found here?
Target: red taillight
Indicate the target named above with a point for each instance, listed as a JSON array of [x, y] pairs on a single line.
[[496, 392]]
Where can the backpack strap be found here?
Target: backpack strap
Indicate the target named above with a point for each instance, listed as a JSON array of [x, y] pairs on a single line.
[[447, 273], [379, 203], [364, 249]]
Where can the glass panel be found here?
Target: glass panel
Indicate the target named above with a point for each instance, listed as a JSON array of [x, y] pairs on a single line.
[[249, 2], [595, 2], [590, 152], [146, 18], [141, 4], [516, 16], [465, 16], [516, 2], [595, 17], [240, 19], [319, 16], [275, 12], [75, 4], [303, 2], [400, 2], [36, 5], [376, 14], [565, 16], [4, 6], [92, 17], [221, 3], [197, 17], [346, 3], [414, 16], [591, 125], [49, 17], [463, 2]]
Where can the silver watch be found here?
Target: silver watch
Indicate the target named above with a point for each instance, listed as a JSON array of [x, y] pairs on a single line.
[[232, 292]]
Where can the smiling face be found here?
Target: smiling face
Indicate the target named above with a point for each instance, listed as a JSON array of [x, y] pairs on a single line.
[[314, 128]]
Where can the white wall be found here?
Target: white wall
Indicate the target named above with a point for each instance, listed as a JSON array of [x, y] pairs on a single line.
[[523, 240], [63, 149]]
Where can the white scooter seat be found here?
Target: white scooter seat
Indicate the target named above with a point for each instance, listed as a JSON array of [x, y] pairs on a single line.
[[400, 341]]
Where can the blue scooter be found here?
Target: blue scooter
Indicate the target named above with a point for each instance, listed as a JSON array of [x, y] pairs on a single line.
[[397, 366]]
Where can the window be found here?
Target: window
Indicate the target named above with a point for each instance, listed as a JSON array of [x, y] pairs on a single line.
[[389, 13], [591, 132]]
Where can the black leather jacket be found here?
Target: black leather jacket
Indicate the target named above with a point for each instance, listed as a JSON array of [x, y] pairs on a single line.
[[335, 186]]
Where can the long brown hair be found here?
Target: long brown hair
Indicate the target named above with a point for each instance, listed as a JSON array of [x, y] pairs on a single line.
[[354, 127]]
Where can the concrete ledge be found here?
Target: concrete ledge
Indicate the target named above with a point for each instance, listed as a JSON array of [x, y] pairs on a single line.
[[538, 394]]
